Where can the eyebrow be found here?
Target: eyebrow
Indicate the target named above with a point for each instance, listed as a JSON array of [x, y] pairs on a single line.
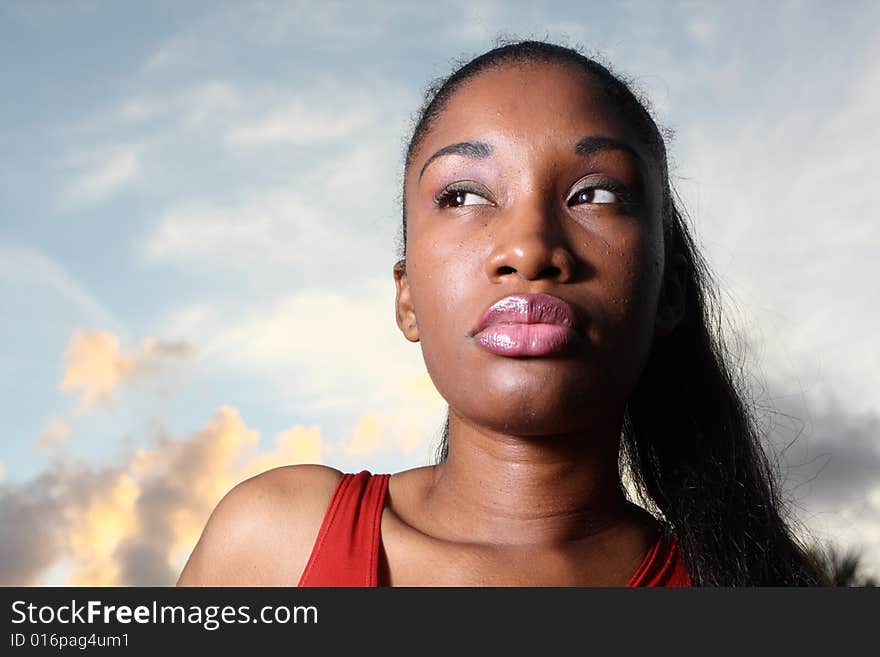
[[480, 149], [593, 144], [473, 149]]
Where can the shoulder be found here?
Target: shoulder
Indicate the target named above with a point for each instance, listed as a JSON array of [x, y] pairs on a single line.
[[262, 532]]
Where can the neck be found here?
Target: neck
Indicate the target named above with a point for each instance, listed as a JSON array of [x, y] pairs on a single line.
[[497, 488]]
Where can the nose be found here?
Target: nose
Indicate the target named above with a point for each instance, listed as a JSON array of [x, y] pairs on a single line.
[[529, 241]]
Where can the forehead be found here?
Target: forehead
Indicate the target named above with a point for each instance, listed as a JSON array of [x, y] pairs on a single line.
[[533, 103]]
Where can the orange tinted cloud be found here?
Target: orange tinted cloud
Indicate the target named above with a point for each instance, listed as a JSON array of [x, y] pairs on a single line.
[[404, 426], [95, 366], [135, 524], [96, 530], [54, 434]]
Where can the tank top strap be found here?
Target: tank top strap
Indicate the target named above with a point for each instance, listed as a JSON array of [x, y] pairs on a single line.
[[346, 551], [663, 565]]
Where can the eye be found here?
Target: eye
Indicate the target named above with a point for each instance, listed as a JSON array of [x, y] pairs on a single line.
[[603, 193], [598, 195], [462, 194]]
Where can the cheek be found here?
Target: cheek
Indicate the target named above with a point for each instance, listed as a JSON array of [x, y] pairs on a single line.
[[445, 278], [442, 279], [634, 281], [623, 329], [627, 268]]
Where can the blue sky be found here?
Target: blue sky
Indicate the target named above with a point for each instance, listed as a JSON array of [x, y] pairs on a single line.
[[198, 201]]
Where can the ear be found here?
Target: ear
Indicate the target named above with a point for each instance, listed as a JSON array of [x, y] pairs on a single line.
[[406, 315], [671, 305]]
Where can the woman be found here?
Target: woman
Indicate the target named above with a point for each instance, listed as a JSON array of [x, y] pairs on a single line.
[[563, 312]]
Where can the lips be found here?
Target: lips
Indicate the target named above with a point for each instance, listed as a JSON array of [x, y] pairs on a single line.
[[530, 309], [526, 325]]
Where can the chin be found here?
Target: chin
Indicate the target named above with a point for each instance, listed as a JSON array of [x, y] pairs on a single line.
[[524, 420]]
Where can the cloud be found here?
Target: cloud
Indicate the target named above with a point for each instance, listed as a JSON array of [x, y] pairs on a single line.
[[702, 29], [180, 482], [828, 458], [830, 454], [334, 196], [476, 22], [107, 173], [301, 233], [95, 366], [25, 268], [403, 428], [311, 208], [135, 523], [31, 516], [324, 26], [97, 525], [784, 209], [175, 51], [268, 228], [154, 355], [205, 105], [301, 123], [304, 27], [366, 437], [239, 115], [318, 350], [295, 445], [54, 434]]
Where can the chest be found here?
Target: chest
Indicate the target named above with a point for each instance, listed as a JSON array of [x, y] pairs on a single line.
[[407, 558]]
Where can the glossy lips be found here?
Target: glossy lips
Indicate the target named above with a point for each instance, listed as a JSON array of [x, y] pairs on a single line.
[[528, 325]]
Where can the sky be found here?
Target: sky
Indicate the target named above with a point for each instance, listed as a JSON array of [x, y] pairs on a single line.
[[199, 211]]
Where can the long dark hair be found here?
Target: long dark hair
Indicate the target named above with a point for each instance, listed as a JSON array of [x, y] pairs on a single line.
[[691, 442]]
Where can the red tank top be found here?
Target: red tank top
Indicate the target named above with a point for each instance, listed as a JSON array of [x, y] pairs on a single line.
[[346, 552]]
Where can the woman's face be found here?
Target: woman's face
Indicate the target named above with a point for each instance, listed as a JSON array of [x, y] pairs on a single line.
[[530, 182]]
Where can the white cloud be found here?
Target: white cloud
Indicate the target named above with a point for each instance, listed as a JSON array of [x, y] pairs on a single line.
[[247, 114], [323, 350], [785, 207], [476, 22], [306, 26], [106, 173], [207, 104], [24, 268], [267, 232], [331, 25], [701, 28], [300, 123], [175, 53], [340, 199], [338, 218], [328, 109]]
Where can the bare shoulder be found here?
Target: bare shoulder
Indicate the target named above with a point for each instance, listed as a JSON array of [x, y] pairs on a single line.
[[262, 532]]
